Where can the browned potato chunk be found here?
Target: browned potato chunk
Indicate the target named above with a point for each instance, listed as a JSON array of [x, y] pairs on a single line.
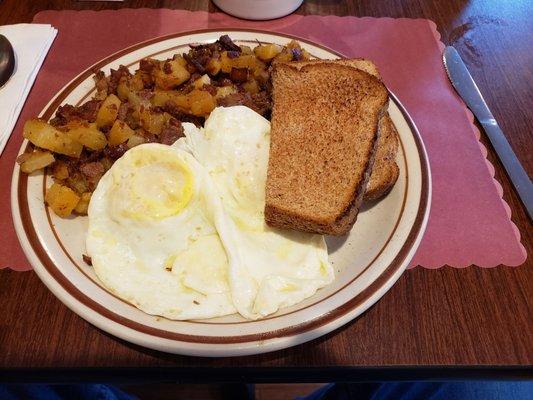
[[226, 63], [251, 86], [107, 114], [223, 91], [180, 60], [161, 97], [267, 52], [202, 81], [171, 74], [246, 50], [87, 134], [83, 205], [201, 103], [119, 133], [153, 121], [213, 66], [44, 135], [61, 199], [135, 140], [30, 162], [60, 170], [248, 61]]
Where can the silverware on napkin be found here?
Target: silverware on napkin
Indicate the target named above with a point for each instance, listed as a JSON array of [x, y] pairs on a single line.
[[463, 82], [7, 60]]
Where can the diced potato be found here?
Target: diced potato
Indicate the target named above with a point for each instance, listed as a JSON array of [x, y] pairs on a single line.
[[136, 82], [180, 60], [267, 52], [202, 81], [223, 91], [246, 50], [78, 183], [123, 91], [152, 121], [44, 135], [171, 75], [83, 205], [87, 134], [244, 61], [30, 162], [248, 61], [119, 133], [283, 57], [61, 199], [135, 140], [60, 170], [161, 97], [226, 63], [213, 66], [107, 114], [251, 86], [201, 103]]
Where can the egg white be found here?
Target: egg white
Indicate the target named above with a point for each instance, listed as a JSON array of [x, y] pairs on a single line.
[[268, 268], [152, 236]]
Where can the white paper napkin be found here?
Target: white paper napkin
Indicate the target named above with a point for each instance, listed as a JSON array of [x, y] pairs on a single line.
[[31, 43]]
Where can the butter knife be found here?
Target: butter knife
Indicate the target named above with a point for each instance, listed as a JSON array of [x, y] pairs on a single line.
[[466, 87]]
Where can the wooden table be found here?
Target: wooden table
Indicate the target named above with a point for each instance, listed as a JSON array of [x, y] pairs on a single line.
[[441, 323]]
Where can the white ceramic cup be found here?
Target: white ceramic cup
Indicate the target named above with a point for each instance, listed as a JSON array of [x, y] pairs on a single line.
[[258, 9]]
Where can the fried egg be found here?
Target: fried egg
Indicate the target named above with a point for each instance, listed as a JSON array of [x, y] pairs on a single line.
[[152, 236], [268, 268]]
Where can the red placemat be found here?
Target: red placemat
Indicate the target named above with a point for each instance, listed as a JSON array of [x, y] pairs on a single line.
[[469, 221]]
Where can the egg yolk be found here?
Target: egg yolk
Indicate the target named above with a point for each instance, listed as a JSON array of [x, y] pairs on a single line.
[[157, 188]]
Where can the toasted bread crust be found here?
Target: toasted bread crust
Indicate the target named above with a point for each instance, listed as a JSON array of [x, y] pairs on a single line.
[[385, 171], [315, 194]]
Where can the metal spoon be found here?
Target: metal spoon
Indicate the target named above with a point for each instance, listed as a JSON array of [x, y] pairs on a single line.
[[7, 60]]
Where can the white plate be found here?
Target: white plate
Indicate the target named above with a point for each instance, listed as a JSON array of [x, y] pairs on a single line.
[[367, 262]]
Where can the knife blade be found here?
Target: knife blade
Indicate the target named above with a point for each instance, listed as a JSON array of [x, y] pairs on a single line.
[[463, 82], [7, 60]]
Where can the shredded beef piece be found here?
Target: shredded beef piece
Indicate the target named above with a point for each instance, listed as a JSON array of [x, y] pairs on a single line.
[[195, 63], [92, 170], [115, 152], [148, 137], [228, 44], [167, 68], [123, 111], [68, 113], [115, 77], [145, 94], [147, 65], [239, 74], [212, 90], [259, 102], [222, 81], [88, 110], [89, 156], [101, 85], [171, 133], [181, 116]]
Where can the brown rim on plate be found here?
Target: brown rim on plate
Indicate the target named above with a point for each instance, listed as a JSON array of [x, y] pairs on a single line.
[[306, 326]]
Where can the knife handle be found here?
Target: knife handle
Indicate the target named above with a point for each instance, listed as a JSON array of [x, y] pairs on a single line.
[[512, 165]]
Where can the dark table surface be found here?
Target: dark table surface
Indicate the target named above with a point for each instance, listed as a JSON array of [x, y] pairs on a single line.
[[432, 323]]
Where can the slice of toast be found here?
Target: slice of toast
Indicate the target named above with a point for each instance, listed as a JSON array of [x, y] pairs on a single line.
[[385, 172], [325, 128]]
